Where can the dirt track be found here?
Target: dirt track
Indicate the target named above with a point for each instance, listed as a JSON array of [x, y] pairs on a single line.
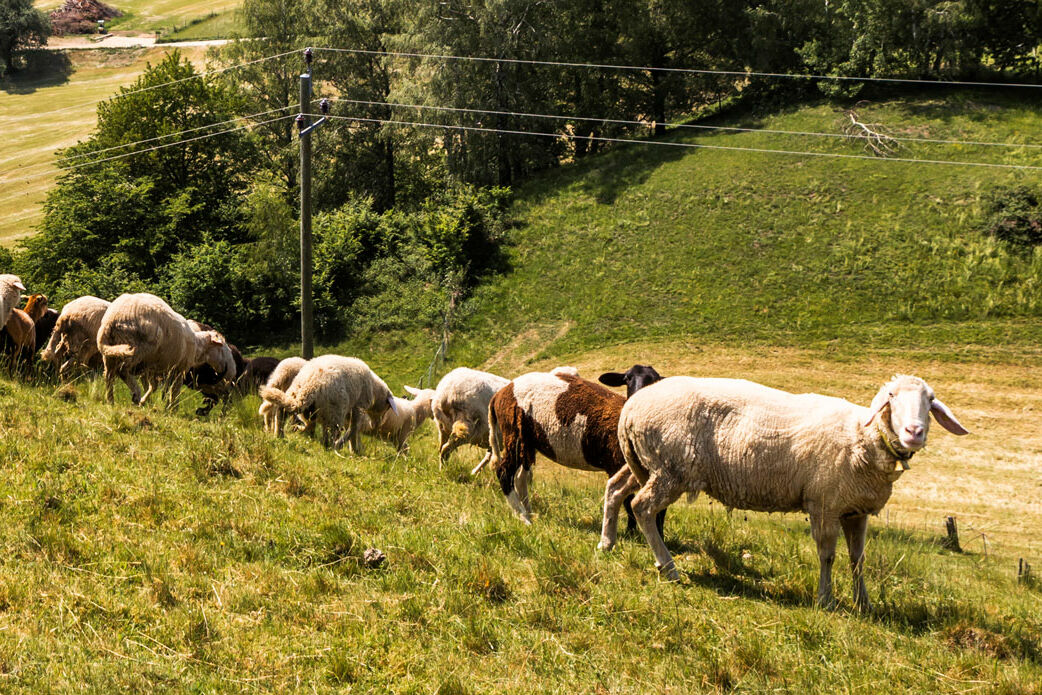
[[128, 40]]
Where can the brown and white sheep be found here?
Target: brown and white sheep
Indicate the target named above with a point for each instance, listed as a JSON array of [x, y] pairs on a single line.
[[337, 393], [281, 378], [140, 333], [758, 448], [460, 409], [74, 340], [44, 318], [571, 421], [19, 337]]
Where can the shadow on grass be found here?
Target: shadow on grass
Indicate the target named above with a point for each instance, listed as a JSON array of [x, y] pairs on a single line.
[[38, 69]]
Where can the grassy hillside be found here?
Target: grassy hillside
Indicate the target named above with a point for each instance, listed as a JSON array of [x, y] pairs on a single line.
[[151, 552], [659, 242], [73, 81]]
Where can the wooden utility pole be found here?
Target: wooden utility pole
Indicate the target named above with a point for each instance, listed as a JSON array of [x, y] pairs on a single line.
[[307, 326], [305, 126]]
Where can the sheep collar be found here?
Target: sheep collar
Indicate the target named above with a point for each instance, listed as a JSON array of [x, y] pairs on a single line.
[[901, 458]]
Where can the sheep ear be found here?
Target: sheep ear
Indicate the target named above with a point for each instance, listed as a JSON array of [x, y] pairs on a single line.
[[945, 418], [18, 284], [612, 379], [881, 400], [390, 402], [413, 391]]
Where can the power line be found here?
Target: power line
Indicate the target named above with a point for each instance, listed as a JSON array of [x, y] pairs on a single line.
[[169, 134], [693, 71], [690, 144], [147, 149], [36, 116], [676, 125]]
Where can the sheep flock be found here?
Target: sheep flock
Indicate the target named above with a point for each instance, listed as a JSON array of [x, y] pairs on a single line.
[[745, 445]]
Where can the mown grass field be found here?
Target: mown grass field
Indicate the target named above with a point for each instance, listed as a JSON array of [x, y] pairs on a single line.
[[153, 552], [53, 105], [157, 15]]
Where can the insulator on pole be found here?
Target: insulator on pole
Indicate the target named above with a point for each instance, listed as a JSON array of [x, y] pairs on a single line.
[[307, 57], [301, 121], [323, 106]]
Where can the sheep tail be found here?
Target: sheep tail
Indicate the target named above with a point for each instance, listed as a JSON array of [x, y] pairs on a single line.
[[123, 351]]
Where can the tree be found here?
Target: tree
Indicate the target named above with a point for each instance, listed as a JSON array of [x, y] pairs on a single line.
[[138, 211], [21, 26]]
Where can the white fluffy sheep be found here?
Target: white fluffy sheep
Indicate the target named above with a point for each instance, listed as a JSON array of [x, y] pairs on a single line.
[[398, 424], [281, 378], [460, 408], [754, 447], [141, 334], [11, 289], [75, 337], [335, 392]]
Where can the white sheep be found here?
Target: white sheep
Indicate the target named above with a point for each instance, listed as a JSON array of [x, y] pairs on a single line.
[[281, 378], [141, 334], [758, 448], [460, 408], [11, 289], [74, 340], [335, 392], [398, 424]]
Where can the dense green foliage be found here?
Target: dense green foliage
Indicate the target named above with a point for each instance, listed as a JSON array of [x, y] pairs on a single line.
[[21, 26]]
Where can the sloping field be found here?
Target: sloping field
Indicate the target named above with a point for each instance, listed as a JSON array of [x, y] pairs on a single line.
[[156, 15], [145, 551], [734, 246], [54, 106]]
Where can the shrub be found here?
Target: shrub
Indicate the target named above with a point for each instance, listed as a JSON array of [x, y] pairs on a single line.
[[1014, 216]]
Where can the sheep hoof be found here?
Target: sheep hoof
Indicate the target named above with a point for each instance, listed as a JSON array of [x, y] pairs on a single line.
[[668, 572], [605, 545]]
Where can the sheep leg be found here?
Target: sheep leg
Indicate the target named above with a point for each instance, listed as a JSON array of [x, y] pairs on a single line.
[[854, 529], [482, 463], [354, 432], [656, 494], [825, 532], [173, 386], [110, 378], [618, 490], [446, 449], [521, 483]]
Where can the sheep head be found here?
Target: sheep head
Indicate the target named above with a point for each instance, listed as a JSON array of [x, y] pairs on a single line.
[[212, 348], [635, 378], [906, 403], [421, 401]]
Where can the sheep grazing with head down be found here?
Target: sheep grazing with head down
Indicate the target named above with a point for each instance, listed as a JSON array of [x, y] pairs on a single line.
[[460, 409], [11, 289], [141, 334], [280, 379], [337, 393], [398, 424], [74, 340], [758, 448]]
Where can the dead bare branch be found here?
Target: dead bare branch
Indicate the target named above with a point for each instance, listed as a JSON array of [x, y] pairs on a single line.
[[876, 136]]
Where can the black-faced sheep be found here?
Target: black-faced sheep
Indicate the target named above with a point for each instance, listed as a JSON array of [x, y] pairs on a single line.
[[758, 448], [337, 393], [460, 409], [140, 333], [571, 421]]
